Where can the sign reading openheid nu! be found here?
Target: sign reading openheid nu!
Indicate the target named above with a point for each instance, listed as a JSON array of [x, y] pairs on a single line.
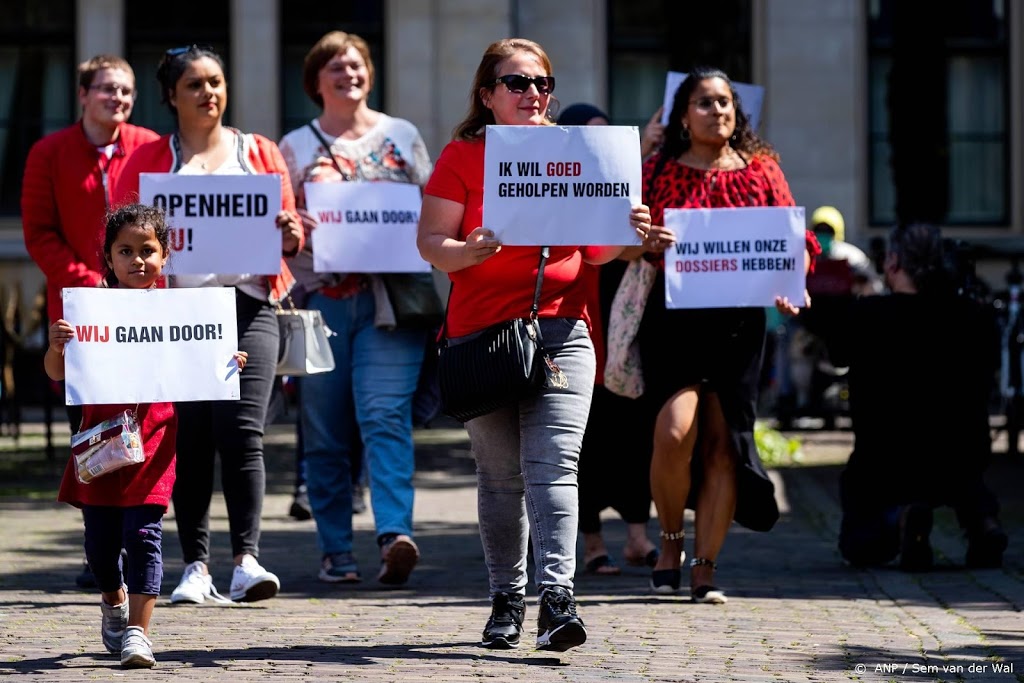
[[562, 185], [150, 345], [221, 224], [365, 227], [735, 257]]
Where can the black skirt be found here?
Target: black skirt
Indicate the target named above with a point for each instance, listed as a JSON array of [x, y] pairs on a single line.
[[719, 350]]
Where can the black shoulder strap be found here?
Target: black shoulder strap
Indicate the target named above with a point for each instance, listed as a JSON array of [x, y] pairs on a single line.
[[545, 252], [327, 147]]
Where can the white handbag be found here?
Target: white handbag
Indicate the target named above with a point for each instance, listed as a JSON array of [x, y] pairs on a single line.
[[622, 372], [305, 342]]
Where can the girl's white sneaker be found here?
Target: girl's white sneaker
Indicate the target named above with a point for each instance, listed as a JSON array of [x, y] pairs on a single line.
[[137, 650]]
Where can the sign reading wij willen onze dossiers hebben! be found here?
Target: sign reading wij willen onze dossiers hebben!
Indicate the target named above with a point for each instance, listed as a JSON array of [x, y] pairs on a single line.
[[365, 227], [562, 185], [222, 224], [735, 257], [150, 345]]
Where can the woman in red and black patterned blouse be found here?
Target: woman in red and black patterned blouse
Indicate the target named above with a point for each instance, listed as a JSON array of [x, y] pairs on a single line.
[[702, 365]]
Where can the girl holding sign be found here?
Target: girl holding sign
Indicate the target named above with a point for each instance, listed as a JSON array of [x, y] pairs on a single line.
[[526, 453], [125, 508], [702, 365], [369, 394], [195, 89]]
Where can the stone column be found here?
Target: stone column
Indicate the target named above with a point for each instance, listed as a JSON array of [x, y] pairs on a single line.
[[811, 57], [574, 34], [254, 84], [99, 29], [433, 48]]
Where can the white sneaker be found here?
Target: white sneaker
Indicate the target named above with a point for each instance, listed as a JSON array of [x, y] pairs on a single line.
[[137, 650], [195, 586], [251, 582], [113, 624]]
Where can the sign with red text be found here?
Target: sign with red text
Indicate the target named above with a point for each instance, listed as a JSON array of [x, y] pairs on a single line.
[[725, 258], [150, 345], [751, 98], [562, 185], [365, 227], [219, 224]]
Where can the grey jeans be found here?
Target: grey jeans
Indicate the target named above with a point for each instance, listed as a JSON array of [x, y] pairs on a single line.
[[526, 463]]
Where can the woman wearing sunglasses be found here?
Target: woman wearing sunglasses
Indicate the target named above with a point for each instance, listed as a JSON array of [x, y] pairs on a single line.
[[377, 364], [526, 453], [195, 89]]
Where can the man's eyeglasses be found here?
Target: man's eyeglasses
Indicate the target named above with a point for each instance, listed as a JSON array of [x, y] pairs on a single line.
[[708, 103], [518, 83], [114, 90]]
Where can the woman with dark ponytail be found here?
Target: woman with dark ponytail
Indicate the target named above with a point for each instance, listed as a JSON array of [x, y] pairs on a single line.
[[701, 367]]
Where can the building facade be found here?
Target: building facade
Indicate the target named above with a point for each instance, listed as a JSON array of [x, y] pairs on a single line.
[[825, 66]]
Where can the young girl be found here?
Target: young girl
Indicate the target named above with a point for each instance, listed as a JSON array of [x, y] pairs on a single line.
[[124, 508]]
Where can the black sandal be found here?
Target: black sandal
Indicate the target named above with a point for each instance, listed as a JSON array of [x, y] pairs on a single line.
[[707, 594]]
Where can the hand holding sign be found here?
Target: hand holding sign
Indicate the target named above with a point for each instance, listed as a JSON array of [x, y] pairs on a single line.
[[291, 231], [654, 134], [481, 245]]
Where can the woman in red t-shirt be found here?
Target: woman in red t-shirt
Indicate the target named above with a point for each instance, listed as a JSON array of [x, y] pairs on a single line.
[[526, 453], [702, 365]]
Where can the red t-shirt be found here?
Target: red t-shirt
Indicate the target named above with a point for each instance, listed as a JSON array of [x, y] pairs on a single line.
[[148, 483], [501, 288]]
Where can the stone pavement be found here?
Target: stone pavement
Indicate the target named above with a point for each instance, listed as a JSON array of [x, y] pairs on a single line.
[[795, 612]]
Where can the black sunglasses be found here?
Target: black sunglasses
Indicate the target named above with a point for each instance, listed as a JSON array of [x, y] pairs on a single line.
[[518, 83]]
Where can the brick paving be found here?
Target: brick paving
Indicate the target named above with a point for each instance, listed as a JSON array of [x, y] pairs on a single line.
[[795, 612]]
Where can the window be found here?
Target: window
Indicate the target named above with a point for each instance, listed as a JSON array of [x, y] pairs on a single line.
[[303, 23], [37, 84], [150, 39], [647, 38], [938, 113]]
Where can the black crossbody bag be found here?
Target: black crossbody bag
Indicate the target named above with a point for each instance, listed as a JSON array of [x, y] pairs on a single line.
[[499, 365]]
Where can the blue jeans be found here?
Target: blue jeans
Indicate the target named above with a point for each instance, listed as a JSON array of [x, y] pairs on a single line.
[[527, 457], [371, 387]]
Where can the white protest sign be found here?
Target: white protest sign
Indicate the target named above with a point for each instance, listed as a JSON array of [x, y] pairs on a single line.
[[221, 224], [365, 227], [562, 185], [751, 98], [734, 257], [150, 345]]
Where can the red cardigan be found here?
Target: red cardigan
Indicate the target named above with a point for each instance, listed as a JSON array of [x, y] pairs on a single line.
[[63, 203], [262, 156]]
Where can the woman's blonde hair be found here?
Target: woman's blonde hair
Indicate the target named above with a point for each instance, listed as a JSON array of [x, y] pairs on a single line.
[[326, 48], [479, 116]]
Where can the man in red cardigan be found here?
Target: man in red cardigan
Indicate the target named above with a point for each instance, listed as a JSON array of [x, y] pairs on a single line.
[[67, 185], [69, 176]]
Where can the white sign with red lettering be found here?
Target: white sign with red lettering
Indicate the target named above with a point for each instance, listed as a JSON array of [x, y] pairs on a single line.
[[725, 258], [365, 227], [562, 185], [220, 224], [150, 345]]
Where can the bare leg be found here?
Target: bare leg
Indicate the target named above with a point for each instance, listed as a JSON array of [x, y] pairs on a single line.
[[115, 597], [675, 433], [140, 610], [716, 501], [637, 543]]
